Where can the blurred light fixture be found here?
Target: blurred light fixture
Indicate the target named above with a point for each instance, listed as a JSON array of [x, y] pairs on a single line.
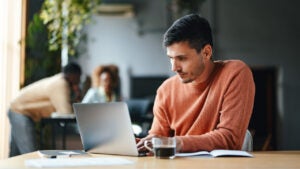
[[114, 9]]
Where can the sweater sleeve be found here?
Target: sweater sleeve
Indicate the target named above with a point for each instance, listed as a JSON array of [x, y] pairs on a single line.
[[160, 125], [234, 117]]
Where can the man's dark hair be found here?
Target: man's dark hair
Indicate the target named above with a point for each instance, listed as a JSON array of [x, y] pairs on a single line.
[[72, 68], [191, 28]]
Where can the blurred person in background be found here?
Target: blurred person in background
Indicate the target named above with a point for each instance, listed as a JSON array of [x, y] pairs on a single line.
[[105, 85], [39, 100]]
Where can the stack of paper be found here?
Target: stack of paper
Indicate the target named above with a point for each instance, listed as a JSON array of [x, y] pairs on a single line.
[[63, 115], [75, 162]]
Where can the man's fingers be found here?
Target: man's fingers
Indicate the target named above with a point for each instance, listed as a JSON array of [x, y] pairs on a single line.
[[140, 143], [137, 140]]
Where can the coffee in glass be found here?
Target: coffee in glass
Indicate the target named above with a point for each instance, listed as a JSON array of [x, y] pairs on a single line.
[[162, 147]]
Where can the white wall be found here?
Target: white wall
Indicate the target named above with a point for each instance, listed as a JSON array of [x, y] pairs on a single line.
[[258, 32], [134, 44], [116, 40]]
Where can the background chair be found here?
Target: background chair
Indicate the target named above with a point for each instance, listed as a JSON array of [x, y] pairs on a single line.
[[140, 114], [248, 142]]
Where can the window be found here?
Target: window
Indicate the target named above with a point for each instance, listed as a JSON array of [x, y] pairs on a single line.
[[10, 59]]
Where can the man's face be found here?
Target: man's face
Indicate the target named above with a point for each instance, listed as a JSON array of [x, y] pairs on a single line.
[[186, 61], [106, 81], [73, 79]]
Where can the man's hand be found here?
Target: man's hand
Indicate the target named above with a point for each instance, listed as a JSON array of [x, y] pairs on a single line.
[[76, 94], [140, 144], [142, 148]]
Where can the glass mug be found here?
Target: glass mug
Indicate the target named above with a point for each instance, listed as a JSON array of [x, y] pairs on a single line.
[[162, 147]]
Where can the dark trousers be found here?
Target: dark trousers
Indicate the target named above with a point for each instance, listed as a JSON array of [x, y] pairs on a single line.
[[22, 136]]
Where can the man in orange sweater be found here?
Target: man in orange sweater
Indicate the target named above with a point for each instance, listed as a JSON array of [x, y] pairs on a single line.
[[208, 104]]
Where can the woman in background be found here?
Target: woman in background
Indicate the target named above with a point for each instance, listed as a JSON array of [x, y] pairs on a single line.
[[105, 85]]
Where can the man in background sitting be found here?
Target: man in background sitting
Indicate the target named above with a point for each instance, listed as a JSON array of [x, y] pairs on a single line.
[[39, 100]]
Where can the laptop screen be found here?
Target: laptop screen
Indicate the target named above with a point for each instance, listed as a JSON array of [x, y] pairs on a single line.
[[105, 128]]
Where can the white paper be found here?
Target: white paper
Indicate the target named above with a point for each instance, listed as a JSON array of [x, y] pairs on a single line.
[[199, 153], [70, 153], [236, 153], [75, 162], [62, 115]]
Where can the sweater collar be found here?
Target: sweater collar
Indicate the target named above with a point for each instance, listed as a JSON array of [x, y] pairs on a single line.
[[202, 85]]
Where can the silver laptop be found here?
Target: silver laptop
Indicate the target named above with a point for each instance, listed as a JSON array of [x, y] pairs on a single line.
[[106, 128]]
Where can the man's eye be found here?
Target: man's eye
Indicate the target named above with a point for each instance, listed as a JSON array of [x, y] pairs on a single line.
[[181, 58]]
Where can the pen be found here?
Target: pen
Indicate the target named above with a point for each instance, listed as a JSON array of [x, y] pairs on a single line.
[[61, 156]]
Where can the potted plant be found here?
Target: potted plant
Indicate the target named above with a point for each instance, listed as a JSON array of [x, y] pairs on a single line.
[[39, 61], [65, 21], [183, 7]]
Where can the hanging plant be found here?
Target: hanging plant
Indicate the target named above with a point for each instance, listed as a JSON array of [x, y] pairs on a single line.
[[39, 62], [65, 20], [180, 8]]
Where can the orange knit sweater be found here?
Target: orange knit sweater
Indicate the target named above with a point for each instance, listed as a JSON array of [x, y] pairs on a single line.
[[211, 115]]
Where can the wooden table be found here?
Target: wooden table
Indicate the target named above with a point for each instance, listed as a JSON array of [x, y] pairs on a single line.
[[263, 160]]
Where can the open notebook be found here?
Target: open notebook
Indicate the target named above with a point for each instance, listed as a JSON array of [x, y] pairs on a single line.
[[217, 153]]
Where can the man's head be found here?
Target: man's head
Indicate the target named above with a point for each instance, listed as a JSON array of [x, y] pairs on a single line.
[[193, 29], [189, 46], [107, 79], [72, 72]]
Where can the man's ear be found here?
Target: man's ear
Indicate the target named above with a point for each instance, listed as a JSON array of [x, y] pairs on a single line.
[[207, 52]]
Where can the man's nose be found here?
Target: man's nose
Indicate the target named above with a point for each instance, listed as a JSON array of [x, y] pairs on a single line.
[[175, 66]]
